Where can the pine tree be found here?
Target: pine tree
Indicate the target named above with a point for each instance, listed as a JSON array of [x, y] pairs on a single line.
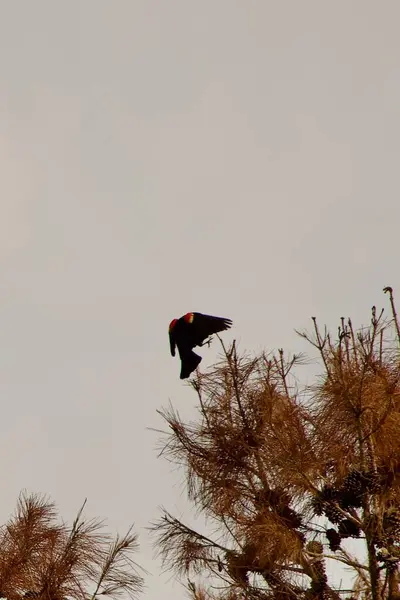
[[286, 476], [43, 559]]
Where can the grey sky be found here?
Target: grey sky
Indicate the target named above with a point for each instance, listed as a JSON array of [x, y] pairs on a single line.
[[236, 158]]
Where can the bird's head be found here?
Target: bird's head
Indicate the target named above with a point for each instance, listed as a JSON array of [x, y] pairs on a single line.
[[188, 318], [172, 325]]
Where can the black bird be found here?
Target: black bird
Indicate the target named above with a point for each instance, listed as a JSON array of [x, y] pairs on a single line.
[[192, 330]]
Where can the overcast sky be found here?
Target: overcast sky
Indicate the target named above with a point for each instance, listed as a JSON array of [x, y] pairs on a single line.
[[239, 158]]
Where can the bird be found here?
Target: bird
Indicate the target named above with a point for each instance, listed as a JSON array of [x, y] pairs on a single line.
[[190, 330]]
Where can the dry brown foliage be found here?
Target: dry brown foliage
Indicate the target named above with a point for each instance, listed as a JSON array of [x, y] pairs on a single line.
[[43, 559], [285, 476]]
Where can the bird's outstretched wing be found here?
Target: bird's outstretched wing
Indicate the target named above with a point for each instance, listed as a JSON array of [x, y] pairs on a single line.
[[171, 335], [206, 325], [172, 343]]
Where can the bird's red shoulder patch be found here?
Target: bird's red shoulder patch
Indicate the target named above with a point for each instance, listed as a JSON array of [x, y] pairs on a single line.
[[172, 325], [189, 317]]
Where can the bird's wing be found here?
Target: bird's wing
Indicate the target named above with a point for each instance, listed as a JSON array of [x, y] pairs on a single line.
[[208, 324], [172, 343]]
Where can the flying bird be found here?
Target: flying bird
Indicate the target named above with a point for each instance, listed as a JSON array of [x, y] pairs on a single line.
[[192, 330]]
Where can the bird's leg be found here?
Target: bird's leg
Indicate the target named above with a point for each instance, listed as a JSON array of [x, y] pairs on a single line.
[[208, 342]]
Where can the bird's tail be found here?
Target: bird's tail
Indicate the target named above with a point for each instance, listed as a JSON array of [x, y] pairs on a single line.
[[190, 361]]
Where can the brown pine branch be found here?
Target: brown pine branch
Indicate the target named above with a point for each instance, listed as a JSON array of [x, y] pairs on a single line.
[[119, 572], [46, 559], [389, 290]]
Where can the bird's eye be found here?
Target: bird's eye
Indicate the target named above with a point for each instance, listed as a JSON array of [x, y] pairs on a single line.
[[189, 317], [172, 325]]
